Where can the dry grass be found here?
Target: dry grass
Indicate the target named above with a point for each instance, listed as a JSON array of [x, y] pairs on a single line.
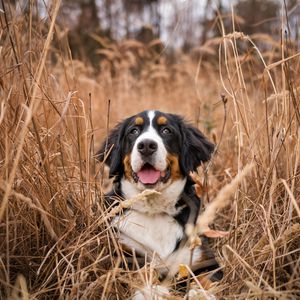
[[55, 238]]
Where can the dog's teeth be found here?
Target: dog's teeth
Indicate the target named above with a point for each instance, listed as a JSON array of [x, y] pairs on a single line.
[[163, 173]]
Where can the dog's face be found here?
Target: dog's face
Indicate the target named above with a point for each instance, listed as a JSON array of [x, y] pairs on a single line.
[[153, 149]]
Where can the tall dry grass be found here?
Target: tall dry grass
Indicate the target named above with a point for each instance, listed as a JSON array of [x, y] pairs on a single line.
[[55, 238]]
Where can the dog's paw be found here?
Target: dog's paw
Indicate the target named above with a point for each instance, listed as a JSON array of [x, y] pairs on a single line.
[[151, 292], [199, 294]]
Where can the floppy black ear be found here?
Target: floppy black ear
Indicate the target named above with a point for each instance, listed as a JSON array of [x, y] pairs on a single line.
[[112, 150], [196, 148]]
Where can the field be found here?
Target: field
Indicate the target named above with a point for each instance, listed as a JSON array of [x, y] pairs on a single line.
[[242, 91]]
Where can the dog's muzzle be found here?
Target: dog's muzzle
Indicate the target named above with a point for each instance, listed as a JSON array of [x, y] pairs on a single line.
[[148, 173]]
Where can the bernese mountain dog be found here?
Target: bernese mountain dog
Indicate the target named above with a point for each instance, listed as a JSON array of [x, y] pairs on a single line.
[[157, 151]]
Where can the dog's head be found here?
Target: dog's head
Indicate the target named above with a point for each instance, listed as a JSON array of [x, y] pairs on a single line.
[[153, 149]]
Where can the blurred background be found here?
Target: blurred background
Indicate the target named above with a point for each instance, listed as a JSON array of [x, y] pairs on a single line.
[[134, 52], [178, 24]]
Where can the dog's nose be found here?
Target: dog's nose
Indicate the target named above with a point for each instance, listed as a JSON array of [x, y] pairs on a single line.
[[147, 147]]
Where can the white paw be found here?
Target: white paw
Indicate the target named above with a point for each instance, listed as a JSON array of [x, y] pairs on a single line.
[[151, 292], [199, 294]]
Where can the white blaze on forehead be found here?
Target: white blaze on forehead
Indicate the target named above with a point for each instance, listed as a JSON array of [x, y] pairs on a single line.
[[151, 115], [159, 157]]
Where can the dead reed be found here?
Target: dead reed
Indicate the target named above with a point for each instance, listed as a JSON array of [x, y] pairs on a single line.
[[55, 238]]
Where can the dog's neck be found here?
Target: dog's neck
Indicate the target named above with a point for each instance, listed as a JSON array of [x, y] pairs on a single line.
[[163, 203]]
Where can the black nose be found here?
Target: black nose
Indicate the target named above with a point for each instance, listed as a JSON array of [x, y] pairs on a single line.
[[147, 147]]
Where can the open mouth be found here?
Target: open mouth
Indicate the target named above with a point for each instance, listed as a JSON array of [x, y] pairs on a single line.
[[148, 175]]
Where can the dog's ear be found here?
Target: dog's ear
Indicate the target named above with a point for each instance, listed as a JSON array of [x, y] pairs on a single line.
[[111, 151], [196, 148]]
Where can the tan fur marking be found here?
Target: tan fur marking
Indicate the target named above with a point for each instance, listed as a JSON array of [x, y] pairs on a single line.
[[174, 165], [127, 167], [162, 120], [139, 121], [206, 283]]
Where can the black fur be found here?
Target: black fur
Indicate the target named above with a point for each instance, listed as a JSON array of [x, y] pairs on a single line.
[[112, 149], [196, 149]]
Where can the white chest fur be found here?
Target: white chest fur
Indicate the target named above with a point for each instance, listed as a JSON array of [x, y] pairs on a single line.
[[164, 203], [159, 232]]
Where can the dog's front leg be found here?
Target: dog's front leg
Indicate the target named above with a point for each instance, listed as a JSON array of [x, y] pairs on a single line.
[[151, 292], [197, 293]]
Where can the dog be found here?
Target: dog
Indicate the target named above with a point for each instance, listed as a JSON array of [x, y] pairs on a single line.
[[157, 151]]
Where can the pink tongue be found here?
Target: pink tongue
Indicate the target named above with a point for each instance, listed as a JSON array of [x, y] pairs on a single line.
[[148, 176]]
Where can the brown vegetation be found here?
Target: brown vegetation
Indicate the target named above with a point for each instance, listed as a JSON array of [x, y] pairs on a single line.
[[55, 238]]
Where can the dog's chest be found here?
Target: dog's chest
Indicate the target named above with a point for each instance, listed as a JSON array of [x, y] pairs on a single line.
[[165, 203], [158, 233]]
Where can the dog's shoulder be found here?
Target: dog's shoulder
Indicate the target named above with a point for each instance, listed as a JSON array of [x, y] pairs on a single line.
[[190, 204], [114, 196]]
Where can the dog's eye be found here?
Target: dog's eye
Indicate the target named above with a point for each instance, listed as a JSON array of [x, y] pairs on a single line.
[[165, 131], [134, 131]]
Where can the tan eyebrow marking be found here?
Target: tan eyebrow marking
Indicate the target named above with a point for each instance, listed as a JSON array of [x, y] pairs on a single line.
[[162, 120], [139, 121]]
